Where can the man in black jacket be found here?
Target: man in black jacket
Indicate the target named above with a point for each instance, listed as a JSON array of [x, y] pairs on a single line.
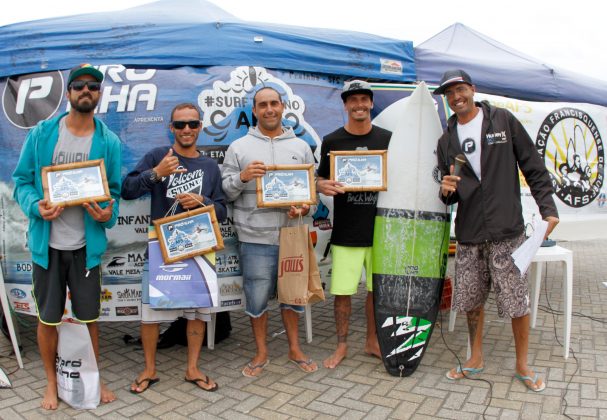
[[489, 223]]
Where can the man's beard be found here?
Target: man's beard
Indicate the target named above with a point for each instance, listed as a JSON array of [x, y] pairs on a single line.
[[84, 108]]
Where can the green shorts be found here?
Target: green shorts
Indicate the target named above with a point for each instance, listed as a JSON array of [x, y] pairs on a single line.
[[347, 269]]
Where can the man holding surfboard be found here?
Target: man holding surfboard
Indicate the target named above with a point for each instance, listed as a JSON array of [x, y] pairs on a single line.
[[489, 224], [354, 218]]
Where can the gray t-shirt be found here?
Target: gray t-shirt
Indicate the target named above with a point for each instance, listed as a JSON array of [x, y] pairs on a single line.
[[67, 231]]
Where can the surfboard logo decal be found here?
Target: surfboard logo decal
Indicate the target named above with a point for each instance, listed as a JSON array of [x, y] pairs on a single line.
[[416, 332]]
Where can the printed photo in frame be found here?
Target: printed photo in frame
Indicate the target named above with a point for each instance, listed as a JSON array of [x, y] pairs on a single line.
[[360, 170], [188, 234], [286, 185], [72, 184]]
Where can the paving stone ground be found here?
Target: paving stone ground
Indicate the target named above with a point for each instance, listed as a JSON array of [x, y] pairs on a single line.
[[359, 387]]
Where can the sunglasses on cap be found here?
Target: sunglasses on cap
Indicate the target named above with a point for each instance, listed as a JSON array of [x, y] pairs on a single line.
[[180, 125], [78, 85]]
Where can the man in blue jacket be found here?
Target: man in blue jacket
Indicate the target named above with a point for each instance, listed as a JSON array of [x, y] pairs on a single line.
[[67, 243]]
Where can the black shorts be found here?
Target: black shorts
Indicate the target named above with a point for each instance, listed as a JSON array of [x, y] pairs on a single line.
[[66, 269]]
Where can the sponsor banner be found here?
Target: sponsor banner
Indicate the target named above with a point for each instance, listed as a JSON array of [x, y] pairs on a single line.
[[136, 104], [569, 139]]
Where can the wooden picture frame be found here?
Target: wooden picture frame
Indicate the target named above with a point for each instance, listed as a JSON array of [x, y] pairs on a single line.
[[286, 185], [72, 184], [188, 234], [360, 170]]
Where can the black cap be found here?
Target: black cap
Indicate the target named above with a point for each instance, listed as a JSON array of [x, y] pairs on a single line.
[[450, 78], [356, 86]]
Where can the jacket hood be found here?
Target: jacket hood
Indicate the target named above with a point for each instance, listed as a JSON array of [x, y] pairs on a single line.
[[287, 133]]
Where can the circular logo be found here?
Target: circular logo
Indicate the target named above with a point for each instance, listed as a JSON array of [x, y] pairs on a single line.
[[468, 146], [571, 147], [30, 98]]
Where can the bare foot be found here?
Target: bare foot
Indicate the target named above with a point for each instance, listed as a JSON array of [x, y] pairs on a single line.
[[335, 359], [372, 349], [50, 400], [107, 395]]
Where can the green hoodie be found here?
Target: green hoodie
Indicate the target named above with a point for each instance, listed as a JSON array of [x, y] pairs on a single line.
[[37, 152]]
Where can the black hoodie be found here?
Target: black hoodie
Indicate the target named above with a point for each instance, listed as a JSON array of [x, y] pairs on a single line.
[[491, 210]]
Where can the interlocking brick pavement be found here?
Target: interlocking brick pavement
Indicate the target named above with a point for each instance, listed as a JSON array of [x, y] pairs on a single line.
[[359, 387]]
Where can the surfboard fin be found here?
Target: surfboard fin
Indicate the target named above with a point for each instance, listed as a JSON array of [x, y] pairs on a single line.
[[5, 383]]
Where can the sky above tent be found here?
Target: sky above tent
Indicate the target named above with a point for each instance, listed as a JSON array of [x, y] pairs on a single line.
[[563, 34]]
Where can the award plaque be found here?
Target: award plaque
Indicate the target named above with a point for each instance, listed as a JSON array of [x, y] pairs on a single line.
[[73, 184], [188, 234], [286, 185], [360, 170]]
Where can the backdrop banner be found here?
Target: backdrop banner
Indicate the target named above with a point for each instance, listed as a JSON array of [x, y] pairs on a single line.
[[136, 104]]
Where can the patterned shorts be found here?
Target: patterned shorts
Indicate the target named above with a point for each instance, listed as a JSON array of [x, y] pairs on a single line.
[[478, 266]]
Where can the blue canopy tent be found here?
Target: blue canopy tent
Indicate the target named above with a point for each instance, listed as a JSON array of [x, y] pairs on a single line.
[[173, 33], [498, 69]]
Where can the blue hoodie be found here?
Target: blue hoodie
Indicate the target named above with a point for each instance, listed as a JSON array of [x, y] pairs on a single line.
[[37, 152]]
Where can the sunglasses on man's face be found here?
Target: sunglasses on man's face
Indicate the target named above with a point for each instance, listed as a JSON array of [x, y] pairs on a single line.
[[78, 85], [180, 125]]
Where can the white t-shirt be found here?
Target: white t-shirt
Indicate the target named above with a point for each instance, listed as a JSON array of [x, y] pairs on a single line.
[[470, 139]]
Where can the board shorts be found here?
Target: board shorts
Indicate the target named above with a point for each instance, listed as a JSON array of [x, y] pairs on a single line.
[[49, 287], [478, 266], [154, 316], [348, 263], [259, 265]]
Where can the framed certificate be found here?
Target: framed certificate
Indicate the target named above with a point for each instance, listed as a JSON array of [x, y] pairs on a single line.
[[286, 185], [360, 170], [73, 184], [188, 234]]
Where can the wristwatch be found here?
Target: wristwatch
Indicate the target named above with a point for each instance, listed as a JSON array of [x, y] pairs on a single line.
[[154, 177]]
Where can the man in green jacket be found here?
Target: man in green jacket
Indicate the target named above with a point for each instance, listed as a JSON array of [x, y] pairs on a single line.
[[67, 242]]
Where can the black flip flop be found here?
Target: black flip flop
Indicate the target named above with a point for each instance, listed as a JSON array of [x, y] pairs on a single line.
[[205, 381], [150, 381]]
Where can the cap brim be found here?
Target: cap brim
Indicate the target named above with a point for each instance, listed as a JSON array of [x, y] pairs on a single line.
[[441, 89], [92, 71], [344, 95]]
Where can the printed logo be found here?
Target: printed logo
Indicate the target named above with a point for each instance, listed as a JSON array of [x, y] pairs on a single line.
[[571, 147], [18, 293], [468, 146], [116, 262], [229, 109], [105, 312], [436, 175], [415, 333], [30, 98], [173, 268], [127, 310], [496, 138], [291, 265], [389, 66], [185, 182], [129, 294], [22, 306], [106, 295]]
